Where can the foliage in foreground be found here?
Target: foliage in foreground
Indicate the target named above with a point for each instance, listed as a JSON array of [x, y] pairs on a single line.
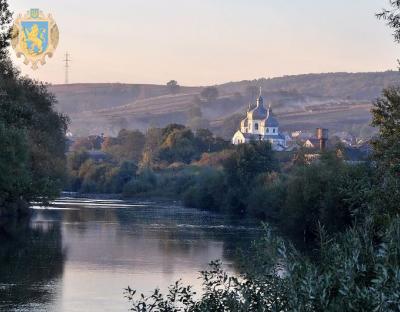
[[352, 273], [386, 116]]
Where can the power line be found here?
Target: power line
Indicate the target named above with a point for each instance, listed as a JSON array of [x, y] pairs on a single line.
[[67, 60]]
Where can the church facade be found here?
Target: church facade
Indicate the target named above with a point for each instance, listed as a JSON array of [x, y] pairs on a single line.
[[260, 124]]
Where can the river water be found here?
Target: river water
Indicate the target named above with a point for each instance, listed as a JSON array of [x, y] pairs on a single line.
[[79, 254]]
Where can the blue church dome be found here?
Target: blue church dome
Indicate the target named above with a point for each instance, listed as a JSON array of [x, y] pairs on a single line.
[[270, 120]]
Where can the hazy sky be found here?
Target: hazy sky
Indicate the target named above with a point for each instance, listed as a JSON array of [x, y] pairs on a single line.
[[212, 41]]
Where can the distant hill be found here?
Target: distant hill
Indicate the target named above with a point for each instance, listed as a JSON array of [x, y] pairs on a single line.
[[355, 86], [336, 100]]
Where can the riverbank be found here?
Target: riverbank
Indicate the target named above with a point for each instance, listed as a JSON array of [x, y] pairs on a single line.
[[155, 197]]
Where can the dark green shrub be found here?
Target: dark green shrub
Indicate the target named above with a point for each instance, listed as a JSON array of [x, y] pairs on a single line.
[[145, 182], [266, 200], [207, 191]]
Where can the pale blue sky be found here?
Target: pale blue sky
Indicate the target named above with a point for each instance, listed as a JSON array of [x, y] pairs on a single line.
[[213, 41]]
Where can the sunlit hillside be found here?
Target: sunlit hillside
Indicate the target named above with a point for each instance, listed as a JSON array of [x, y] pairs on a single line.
[[336, 100]]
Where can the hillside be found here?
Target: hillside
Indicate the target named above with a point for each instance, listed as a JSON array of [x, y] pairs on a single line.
[[335, 100]]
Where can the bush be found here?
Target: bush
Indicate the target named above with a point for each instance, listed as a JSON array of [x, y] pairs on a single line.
[[329, 191], [176, 181], [266, 200], [207, 191], [136, 186], [120, 176], [247, 162], [353, 274], [145, 182]]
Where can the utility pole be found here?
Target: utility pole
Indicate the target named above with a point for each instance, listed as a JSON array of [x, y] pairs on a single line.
[[67, 60]]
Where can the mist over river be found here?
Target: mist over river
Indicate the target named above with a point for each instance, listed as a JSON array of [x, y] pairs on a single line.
[[79, 254]]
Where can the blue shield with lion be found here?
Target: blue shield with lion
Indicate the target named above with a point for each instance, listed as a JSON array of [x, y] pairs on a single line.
[[35, 37]]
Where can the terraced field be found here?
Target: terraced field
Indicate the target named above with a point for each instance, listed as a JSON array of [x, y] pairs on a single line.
[[337, 101]]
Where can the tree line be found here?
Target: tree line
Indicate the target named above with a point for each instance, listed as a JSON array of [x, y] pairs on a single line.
[[206, 172]]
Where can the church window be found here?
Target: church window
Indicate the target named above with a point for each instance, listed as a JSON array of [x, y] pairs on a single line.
[[256, 126], [267, 130], [273, 130]]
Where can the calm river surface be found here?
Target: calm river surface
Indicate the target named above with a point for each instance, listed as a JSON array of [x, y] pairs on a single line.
[[79, 254]]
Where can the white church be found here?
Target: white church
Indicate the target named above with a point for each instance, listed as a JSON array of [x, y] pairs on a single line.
[[260, 124]]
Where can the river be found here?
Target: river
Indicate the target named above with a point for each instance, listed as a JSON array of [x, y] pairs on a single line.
[[79, 254]]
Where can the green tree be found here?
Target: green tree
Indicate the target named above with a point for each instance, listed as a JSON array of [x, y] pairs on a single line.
[[127, 146], [173, 86], [5, 29], [179, 145], [28, 107], [122, 175], [386, 116], [392, 17], [153, 137], [15, 176], [268, 197], [210, 94], [207, 142], [242, 168], [328, 192], [207, 192], [248, 161]]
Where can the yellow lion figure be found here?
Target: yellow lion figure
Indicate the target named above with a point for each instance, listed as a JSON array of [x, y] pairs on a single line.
[[34, 38]]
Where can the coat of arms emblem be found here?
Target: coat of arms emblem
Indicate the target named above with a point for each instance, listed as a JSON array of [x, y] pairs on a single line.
[[34, 36]]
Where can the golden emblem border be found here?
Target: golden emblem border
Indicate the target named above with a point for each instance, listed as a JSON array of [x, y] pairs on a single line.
[[53, 38]]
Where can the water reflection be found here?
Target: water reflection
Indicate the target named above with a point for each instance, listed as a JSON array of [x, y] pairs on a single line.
[[31, 265], [107, 245]]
